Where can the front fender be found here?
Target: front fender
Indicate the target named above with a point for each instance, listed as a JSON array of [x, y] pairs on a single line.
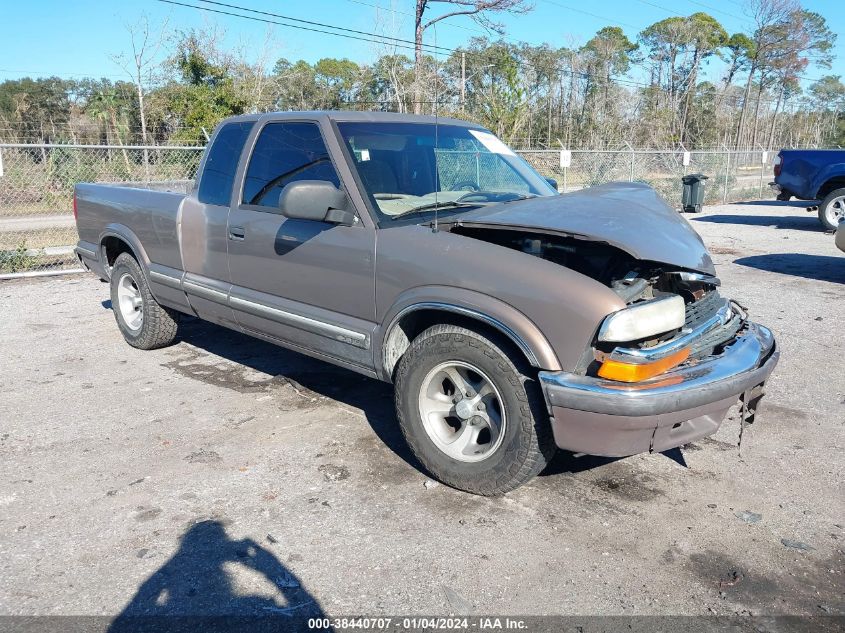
[[475, 305]]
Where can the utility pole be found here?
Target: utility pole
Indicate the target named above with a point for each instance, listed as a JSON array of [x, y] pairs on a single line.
[[463, 80]]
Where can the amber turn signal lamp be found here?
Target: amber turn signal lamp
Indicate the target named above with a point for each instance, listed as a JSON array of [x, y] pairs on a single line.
[[630, 372]]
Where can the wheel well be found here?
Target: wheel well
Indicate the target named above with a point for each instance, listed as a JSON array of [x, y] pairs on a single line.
[[414, 323], [834, 183], [113, 246]]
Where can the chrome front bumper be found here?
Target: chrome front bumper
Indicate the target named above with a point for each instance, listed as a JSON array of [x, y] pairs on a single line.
[[604, 417]]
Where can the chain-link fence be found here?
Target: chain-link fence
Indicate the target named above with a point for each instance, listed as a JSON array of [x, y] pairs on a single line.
[[732, 175], [37, 230]]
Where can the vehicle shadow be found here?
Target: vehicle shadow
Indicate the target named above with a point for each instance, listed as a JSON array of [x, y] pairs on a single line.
[[373, 397], [798, 204], [807, 222], [568, 463], [196, 589], [818, 267]]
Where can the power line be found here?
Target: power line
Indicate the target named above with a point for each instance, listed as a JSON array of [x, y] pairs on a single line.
[[592, 15], [652, 4], [320, 24], [407, 13], [381, 38], [367, 36], [657, 6], [398, 41], [707, 6]]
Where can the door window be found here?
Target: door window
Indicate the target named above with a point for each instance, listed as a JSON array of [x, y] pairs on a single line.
[[222, 163], [285, 153]]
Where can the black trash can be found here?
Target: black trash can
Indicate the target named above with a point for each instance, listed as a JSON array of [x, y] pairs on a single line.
[[693, 196]]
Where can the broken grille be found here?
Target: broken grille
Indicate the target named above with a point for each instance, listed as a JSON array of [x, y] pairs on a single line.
[[700, 311]]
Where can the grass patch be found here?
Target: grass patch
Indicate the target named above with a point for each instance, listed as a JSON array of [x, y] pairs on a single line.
[[43, 238], [16, 260]]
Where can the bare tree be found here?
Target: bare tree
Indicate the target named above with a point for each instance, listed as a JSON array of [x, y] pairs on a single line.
[[141, 64], [478, 10], [391, 65], [251, 78], [772, 20]]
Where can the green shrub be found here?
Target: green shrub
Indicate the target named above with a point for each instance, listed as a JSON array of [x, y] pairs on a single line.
[[17, 260]]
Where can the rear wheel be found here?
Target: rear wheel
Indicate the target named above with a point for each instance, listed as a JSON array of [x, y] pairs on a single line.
[[143, 322], [832, 209], [471, 412]]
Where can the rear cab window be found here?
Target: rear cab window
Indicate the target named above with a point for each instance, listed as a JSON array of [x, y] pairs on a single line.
[[285, 153], [222, 162]]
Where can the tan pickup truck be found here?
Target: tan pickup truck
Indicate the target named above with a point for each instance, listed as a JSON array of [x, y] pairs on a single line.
[[424, 252]]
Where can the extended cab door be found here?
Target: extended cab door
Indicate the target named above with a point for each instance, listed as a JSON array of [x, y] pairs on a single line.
[[203, 226], [304, 282]]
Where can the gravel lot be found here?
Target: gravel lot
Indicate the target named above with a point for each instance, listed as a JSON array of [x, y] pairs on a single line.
[[225, 475]]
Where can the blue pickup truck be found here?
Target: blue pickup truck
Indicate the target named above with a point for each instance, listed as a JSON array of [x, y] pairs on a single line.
[[813, 174]]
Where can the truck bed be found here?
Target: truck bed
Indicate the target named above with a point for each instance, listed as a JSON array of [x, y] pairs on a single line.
[[810, 174], [151, 215]]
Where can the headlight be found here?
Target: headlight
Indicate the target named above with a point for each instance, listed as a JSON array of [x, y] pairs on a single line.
[[643, 320]]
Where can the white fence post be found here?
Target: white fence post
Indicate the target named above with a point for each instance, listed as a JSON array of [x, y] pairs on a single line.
[[763, 160], [565, 162]]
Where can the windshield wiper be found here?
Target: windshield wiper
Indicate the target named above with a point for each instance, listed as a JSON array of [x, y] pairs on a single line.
[[527, 196], [449, 204]]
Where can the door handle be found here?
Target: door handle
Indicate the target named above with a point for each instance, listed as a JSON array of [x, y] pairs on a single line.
[[236, 233]]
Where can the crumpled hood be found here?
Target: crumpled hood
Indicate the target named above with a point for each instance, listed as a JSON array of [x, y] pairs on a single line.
[[627, 215]]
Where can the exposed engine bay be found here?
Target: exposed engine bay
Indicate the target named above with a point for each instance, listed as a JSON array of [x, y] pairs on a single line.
[[635, 281], [631, 279]]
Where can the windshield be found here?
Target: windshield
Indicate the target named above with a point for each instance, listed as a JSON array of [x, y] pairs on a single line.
[[411, 168]]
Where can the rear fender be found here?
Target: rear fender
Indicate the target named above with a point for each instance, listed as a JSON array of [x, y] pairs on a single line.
[[125, 234], [825, 175], [165, 288]]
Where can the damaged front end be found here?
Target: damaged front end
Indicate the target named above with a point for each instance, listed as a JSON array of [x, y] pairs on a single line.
[[673, 316], [682, 357], [697, 322], [659, 373]]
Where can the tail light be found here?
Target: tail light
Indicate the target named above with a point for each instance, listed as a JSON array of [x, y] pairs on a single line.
[[777, 165], [75, 214]]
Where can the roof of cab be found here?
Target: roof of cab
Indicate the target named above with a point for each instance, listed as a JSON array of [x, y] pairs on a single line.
[[343, 115]]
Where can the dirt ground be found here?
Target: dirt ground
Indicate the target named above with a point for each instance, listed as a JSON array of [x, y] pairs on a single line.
[[225, 475]]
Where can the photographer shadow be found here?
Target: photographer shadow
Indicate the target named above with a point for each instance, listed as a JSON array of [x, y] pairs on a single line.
[[194, 590]]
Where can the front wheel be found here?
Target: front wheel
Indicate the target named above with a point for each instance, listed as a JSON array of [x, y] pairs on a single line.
[[470, 411], [143, 322], [832, 209]]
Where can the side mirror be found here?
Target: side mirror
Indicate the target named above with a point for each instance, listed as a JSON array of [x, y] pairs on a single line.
[[552, 182], [317, 200]]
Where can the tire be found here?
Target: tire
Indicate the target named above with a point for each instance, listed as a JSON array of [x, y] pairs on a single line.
[[784, 196], [510, 457], [149, 325], [832, 209]]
